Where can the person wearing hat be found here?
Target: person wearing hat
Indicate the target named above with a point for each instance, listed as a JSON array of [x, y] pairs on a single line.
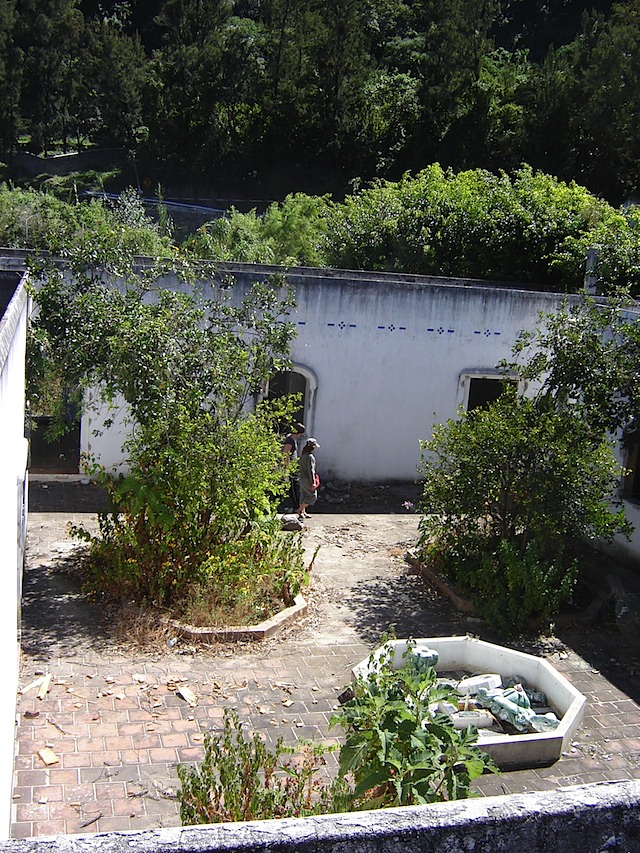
[[309, 480]]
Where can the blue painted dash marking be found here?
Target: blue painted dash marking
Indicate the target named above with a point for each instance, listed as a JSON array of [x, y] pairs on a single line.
[[450, 331], [330, 324], [382, 327], [497, 333], [352, 325], [429, 330], [477, 333], [402, 328]]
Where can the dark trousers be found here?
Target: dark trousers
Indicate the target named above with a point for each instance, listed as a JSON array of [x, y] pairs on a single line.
[[294, 491]]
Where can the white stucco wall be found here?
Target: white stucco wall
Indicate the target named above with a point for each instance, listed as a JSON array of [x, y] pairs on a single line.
[[13, 330], [386, 355], [105, 442], [389, 359]]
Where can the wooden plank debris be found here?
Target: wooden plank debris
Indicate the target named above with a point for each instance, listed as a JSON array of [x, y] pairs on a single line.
[[44, 687]]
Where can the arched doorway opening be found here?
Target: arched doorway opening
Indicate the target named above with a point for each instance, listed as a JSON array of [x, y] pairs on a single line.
[[299, 380]]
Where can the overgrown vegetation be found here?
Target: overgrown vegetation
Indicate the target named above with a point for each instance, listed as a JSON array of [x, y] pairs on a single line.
[[178, 361], [397, 751], [98, 231], [242, 779], [509, 488], [524, 227]]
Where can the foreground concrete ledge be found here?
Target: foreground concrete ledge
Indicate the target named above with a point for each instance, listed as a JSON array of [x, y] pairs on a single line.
[[589, 818], [261, 631]]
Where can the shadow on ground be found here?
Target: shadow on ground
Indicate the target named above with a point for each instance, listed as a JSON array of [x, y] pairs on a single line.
[[408, 604], [57, 617]]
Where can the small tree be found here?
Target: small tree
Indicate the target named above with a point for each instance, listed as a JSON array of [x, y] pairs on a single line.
[[195, 507], [510, 487]]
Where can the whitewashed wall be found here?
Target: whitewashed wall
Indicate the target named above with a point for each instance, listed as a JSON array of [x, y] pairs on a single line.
[[13, 508], [387, 356]]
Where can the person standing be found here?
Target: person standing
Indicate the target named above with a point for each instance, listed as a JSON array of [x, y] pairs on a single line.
[[309, 480], [290, 447]]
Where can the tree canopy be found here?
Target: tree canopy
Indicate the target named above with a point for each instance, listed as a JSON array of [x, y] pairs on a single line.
[[303, 94]]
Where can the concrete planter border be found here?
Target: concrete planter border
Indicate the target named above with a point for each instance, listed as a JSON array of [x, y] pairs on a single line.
[[462, 604], [261, 631]]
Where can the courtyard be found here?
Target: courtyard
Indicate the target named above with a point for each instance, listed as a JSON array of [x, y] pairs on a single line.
[[124, 705]]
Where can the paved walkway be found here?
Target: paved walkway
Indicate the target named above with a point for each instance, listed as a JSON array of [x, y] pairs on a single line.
[[117, 725]]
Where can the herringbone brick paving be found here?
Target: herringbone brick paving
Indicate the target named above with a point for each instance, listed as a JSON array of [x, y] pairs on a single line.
[[118, 727]]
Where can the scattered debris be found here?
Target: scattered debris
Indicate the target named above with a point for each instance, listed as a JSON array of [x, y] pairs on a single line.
[[31, 686], [56, 726], [48, 756], [44, 687], [188, 695]]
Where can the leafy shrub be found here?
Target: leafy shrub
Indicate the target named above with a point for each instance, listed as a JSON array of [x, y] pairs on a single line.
[[95, 231], [514, 589], [508, 487], [526, 226], [243, 779], [288, 233], [192, 526], [398, 752]]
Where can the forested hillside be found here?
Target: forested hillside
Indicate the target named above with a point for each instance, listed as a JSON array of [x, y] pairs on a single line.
[[313, 93]]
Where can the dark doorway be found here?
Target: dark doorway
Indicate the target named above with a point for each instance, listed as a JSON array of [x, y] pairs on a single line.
[[60, 456], [286, 384]]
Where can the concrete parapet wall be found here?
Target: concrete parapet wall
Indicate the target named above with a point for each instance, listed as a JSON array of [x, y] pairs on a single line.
[[589, 819]]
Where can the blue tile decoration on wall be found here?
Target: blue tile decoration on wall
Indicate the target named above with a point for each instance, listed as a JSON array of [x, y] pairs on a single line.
[[391, 327]]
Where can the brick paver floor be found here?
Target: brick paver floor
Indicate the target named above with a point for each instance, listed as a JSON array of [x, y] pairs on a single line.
[[117, 725]]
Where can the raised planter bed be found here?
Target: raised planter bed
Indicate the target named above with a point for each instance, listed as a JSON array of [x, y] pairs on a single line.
[[478, 656], [261, 631]]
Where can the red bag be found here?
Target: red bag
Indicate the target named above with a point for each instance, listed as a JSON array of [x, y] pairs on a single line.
[[316, 482]]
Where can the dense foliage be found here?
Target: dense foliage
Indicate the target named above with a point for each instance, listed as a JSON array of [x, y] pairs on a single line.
[[309, 94], [527, 227], [96, 230], [192, 522], [510, 487]]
